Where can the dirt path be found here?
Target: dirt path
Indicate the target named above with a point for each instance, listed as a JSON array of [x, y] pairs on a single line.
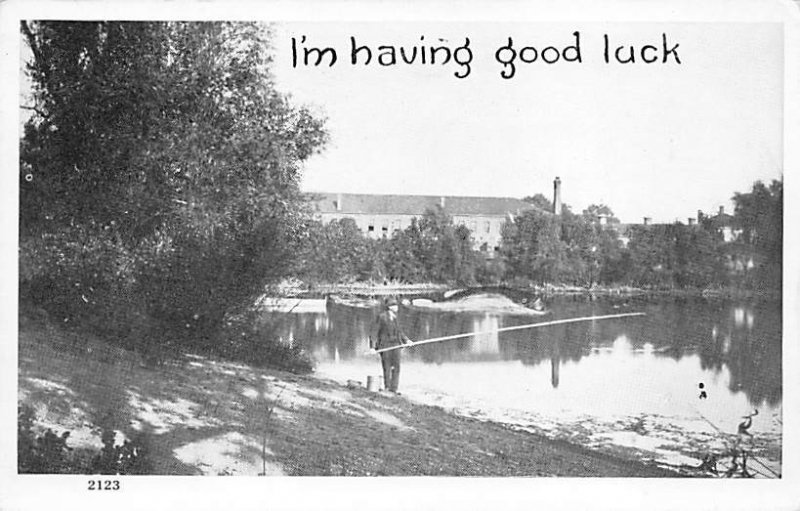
[[202, 416]]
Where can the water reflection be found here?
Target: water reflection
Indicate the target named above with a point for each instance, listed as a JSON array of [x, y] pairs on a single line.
[[742, 338]]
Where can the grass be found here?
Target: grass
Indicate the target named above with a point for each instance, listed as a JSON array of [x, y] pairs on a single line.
[[199, 415]]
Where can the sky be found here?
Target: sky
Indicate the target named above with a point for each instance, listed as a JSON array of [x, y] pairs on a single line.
[[660, 140]]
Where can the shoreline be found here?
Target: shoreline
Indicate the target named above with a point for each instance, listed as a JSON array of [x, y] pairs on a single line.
[[299, 290], [207, 417]]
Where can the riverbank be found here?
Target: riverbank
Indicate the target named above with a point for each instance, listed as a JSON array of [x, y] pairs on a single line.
[[300, 290], [207, 417]]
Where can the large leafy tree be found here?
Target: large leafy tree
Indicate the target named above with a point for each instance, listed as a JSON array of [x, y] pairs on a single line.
[[335, 252], [759, 215], [652, 255], [160, 168], [532, 247], [699, 258], [443, 249]]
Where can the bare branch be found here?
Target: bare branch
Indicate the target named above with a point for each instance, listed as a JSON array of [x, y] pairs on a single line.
[[40, 112], [31, 42]]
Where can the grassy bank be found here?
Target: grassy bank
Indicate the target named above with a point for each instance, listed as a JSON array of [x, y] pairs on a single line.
[[204, 416]]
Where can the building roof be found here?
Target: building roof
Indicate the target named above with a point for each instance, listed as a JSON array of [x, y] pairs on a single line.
[[373, 204], [721, 220]]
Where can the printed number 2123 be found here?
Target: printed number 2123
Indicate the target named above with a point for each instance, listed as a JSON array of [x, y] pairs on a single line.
[[99, 484]]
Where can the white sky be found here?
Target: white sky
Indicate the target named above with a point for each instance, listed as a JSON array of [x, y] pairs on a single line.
[[648, 140]]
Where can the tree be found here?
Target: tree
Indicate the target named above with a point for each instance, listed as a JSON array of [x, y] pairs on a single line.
[[599, 214], [532, 247], [652, 255], [540, 201], [160, 171], [699, 260], [759, 216], [398, 258], [442, 249], [334, 252]]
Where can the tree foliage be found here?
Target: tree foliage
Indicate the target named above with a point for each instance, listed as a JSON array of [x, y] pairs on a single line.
[[532, 247], [540, 201], [443, 249], [431, 249], [160, 171], [759, 216], [538, 247]]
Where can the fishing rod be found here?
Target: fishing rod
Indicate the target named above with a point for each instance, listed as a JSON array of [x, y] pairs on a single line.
[[508, 329]]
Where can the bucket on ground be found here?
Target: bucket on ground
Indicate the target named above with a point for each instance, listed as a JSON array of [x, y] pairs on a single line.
[[372, 383]]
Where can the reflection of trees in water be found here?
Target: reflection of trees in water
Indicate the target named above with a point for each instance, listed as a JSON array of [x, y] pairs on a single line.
[[349, 330], [753, 354], [422, 324], [745, 338]]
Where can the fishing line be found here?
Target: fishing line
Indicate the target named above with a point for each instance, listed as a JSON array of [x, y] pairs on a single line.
[[508, 329]]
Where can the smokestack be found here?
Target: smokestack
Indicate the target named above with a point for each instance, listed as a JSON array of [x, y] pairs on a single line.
[[646, 220], [441, 202], [691, 220], [722, 210], [699, 216], [557, 196], [338, 202]]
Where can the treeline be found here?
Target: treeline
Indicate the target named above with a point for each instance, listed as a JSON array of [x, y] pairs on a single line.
[[431, 249], [743, 250]]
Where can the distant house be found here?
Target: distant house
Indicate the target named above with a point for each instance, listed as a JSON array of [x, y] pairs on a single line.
[[382, 215], [722, 223]]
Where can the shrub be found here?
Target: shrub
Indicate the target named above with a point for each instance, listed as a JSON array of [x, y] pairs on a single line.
[[49, 453], [45, 454], [128, 458], [248, 338]]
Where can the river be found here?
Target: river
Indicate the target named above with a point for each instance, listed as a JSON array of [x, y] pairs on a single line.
[[667, 387]]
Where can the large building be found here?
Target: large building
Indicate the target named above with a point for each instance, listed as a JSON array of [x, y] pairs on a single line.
[[382, 215]]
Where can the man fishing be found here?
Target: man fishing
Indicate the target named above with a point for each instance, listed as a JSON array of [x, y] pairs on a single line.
[[389, 334]]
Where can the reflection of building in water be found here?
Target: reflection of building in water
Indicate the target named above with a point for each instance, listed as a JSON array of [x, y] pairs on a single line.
[[743, 316], [621, 345], [485, 343]]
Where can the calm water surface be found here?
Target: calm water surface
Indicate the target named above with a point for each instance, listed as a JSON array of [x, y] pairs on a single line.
[[628, 384]]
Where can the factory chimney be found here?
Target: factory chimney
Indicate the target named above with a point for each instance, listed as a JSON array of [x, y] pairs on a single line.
[[557, 196], [338, 202]]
